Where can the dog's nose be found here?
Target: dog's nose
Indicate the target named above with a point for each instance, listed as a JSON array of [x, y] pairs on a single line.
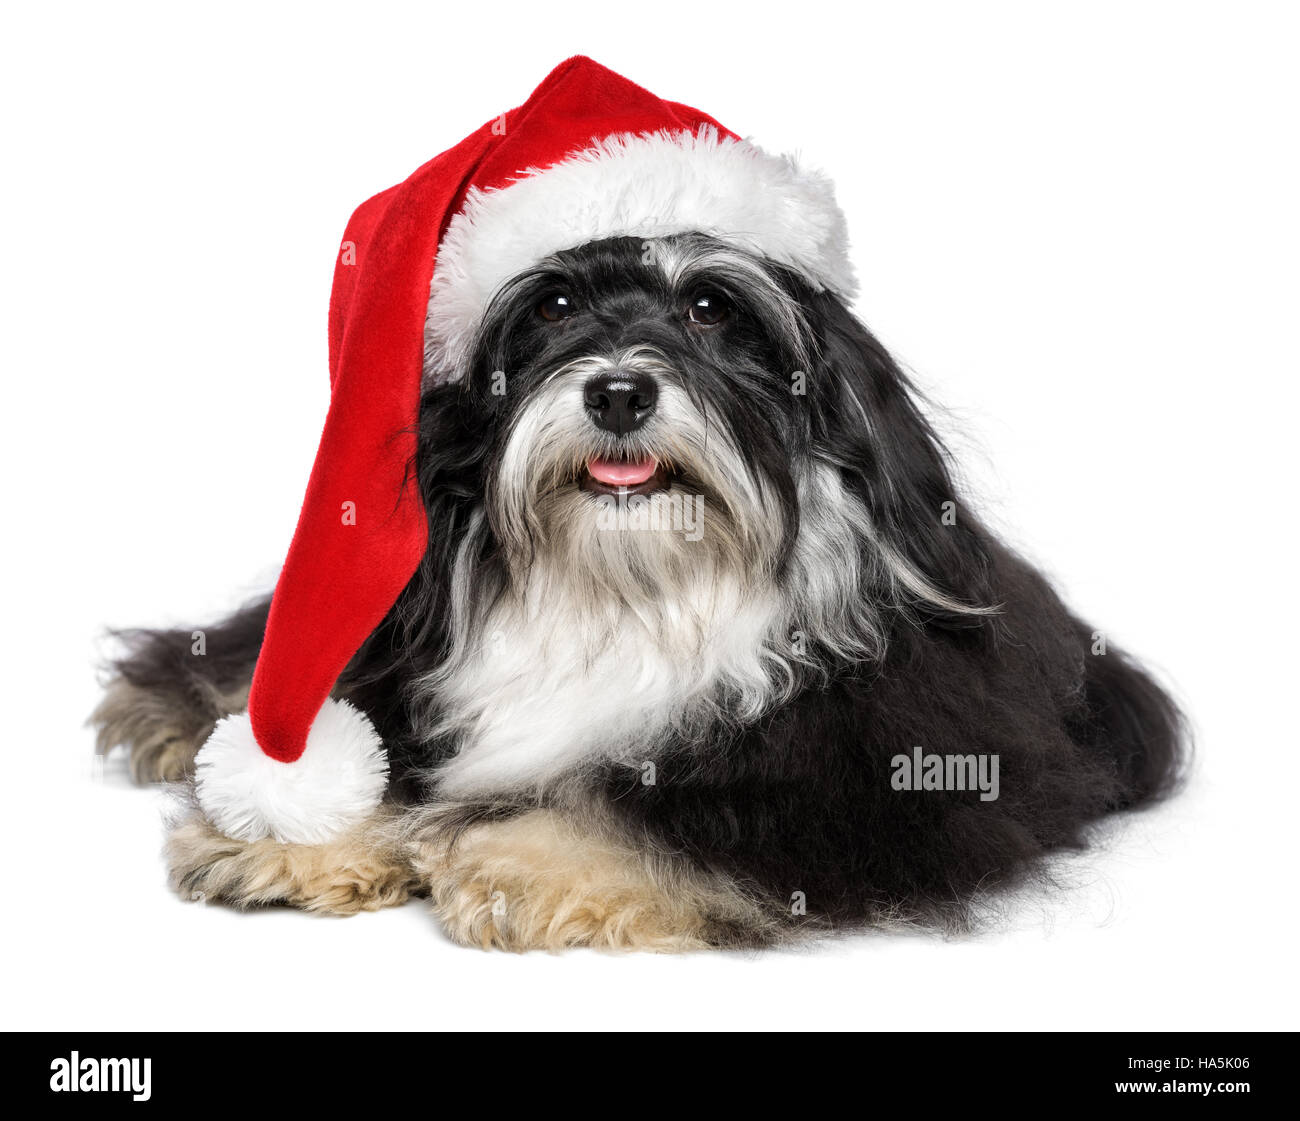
[[620, 403]]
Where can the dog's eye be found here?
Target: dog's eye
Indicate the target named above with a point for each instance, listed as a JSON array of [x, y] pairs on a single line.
[[555, 307], [708, 309]]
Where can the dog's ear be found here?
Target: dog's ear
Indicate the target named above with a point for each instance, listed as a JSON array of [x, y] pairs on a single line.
[[865, 418]]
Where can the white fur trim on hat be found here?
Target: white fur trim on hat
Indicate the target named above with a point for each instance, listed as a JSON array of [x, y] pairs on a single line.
[[338, 781], [647, 186]]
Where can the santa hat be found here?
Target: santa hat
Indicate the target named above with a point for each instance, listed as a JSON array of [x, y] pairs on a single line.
[[589, 155]]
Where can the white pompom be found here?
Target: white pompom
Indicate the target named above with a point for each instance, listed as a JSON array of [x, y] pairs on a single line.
[[338, 781]]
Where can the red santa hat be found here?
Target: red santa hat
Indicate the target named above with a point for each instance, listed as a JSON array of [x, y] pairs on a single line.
[[589, 155]]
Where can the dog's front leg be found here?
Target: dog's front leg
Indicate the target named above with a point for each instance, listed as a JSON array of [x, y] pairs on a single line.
[[547, 879], [364, 870]]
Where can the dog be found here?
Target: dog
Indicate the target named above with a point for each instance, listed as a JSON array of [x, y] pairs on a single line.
[[694, 585]]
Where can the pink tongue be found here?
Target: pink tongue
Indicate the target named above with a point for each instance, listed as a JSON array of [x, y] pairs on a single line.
[[621, 473]]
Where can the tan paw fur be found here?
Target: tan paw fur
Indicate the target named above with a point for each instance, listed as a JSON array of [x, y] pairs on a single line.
[[362, 871], [536, 882]]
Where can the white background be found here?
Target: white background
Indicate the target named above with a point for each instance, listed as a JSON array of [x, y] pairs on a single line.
[[1076, 223]]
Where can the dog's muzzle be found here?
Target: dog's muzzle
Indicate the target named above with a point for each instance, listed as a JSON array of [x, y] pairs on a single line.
[[620, 402]]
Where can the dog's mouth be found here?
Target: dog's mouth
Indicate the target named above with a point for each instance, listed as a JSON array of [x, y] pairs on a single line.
[[624, 476]]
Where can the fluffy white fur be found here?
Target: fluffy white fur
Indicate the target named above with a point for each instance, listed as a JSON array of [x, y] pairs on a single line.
[[647, 186], [551, 689], [337, 783]]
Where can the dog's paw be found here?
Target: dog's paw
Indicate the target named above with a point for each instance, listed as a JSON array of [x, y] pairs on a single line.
[[361, 871], [532, 882], [161, 736]]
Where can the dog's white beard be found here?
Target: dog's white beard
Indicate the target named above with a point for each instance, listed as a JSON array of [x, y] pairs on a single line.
[[615, 642], [558, 681]]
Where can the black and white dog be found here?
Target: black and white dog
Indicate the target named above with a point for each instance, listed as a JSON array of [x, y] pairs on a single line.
[[705, 650]]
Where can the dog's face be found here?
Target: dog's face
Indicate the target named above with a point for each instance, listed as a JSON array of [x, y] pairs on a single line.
[[645, 400]]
